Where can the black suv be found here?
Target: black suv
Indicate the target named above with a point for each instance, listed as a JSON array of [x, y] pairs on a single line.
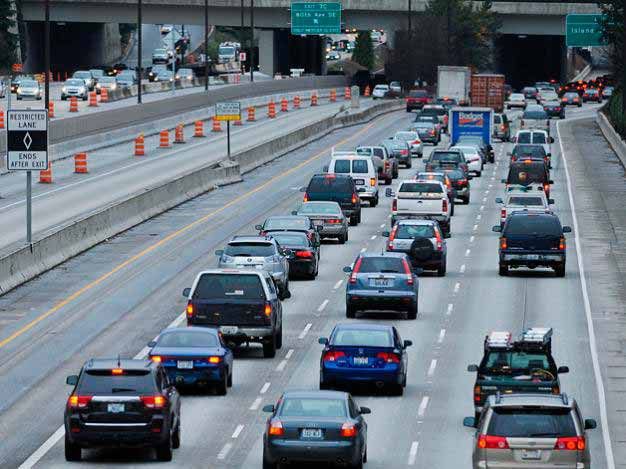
[[338, 188], [516, 366], [446, 159], [120, 403], [531, 239], [529, 172]]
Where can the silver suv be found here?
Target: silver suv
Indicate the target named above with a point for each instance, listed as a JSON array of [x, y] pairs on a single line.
[[531, 431], [257, 252]]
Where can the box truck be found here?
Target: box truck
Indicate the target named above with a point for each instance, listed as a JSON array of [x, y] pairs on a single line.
[[454, 82]]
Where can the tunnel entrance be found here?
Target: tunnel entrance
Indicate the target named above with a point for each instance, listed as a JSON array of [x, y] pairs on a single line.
[[303, 52], [527, 59]]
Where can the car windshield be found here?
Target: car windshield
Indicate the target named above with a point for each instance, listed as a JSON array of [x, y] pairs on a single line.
[[184, 71], [103, 382], [529, 150], [291, 239], [516, 97], [371, 265], [415, 231], [527, 173], [250, 250], [229, 286], [188, 339], [82, 75], [381, 87], [406, 136], [312, 407], [362, 337], [424, 125], [529, 422], [533, 225], [592, 91], [456, 174], [539, 138], [159, 52], [571, 95], [96, 73], [497, 119], [29, 84], [348, 166], [107, 80], [418, 94], [317, 208], [226, 50], [426, 118], [75, 83], [534, 115], [286, 223], [330, 184], [453, 156], [421, 187]]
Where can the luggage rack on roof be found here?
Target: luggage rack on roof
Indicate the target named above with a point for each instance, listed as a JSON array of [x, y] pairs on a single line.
[[498, 340], [537, 338]]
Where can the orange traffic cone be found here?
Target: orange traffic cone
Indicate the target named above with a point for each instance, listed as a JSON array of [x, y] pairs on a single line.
[[164, 139], [1, 118], [93, 99], [284, 105], [140, 149], [333, 95], [314, 99], [45, 176], [104, 95], [199, 129], [50, 109], [80, 163], [347, 93], [271, 110], [251, 114], [296, 102], [179, 134], [367, 91], [73, 104], [217, 125]]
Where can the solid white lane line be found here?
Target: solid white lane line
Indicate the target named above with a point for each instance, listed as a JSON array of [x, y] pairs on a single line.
[[422, 408], [305, 331], [468, 252], [413, 453], [606, 436], [255, 405], [462, 269], [442, 334], [431, 368], [373, 237], [338, 284], [449, 310], [43, 449], [457, 286], [265, 387], [321, 307], [472, 238], [237, 431], [289, 354], [224, 451], [281, 366]]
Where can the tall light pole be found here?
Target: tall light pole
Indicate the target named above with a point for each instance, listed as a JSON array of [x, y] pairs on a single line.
[[410, 15], [139, 41], [623, 63], [242, 38], [46, 53], [206, 45], [252, 40]]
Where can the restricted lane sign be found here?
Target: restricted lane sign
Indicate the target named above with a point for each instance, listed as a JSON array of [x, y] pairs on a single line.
[[228, 111], [27, 140]]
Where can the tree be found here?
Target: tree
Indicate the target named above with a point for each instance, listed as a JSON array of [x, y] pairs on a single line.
[[613, 32], [8, 38], [363, 53]]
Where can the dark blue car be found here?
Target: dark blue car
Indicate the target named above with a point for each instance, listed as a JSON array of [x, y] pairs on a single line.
[[364, 354], [194, 356]]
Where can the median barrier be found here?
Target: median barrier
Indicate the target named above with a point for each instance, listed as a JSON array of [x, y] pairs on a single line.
[[611, 135]]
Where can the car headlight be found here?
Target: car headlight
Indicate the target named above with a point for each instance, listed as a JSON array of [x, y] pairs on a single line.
[[19, 91], [64, 90], [113, 86], [82, 90]]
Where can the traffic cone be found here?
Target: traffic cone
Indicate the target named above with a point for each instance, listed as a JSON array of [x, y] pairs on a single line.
[[333, 95], [199, 129], [217, 126], [284, 105], [296, 102], [314, 99], [139, 146], [271, 110], [251, 114], [80, 163], [367, 91], [50, 109], [1, 118], [347, 93], [179, 134], [93, 99], [45, 176], [104, 95], [73, 104], [164, 139]]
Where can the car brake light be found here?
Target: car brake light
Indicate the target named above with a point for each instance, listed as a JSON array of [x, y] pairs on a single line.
[[153, 402], [267, 310], [387, 164], [432, 132], [333, 355], [477, 392], [276, 428], [394, 205], [502, 128], [373, 182], [439, 240], [355, 271], [562, 243], [190, 310], [388, 357], [492, 442], [304, 254], [444, 205], [546, 187], [404, 152], [572, 443], [333, 221], [354, 198], [348, 430], [306, 197], [503, 213], [214, 359], [448, 183], [503, 244], [156, 358], [407, 271], [78, 402], [117, 371]]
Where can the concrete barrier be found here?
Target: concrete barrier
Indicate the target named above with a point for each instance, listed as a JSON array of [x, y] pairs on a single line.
[[611, 135]]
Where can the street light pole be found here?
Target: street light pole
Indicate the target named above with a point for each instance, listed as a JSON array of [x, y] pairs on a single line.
[[206, 45], [46, 33], [410, 14], [139, 44], [623, 63], [242, 37], [251, 40]]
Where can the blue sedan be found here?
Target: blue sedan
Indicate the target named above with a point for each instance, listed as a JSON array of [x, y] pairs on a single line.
[[364, 354], [195, 356]]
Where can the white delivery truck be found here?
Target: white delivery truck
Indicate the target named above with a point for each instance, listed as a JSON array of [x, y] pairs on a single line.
[[454, 82]]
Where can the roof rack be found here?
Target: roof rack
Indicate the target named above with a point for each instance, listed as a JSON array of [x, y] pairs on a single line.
[[266, 237], [537, 335], [498, 339]]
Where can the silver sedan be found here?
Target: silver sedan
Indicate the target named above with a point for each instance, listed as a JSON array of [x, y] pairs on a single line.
[[328, 216]]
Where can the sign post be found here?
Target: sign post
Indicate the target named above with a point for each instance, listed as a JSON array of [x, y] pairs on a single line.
[[583, 30], [315, 18], [228, 112], [27, 149]]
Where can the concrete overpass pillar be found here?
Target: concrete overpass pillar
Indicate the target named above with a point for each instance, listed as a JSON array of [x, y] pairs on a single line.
[[267, 51]]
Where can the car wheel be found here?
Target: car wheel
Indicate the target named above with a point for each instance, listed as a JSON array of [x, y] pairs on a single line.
[[408, 110], [72, 451], [452, 208], [176, 438], [374, 202], [269, 347], [350, 311], [412, 313], [479, 173], [396, 390], [63, 98], [560, 270], [409, 165], [164, 450], [441, 271], [353, 220], [358, 218], [324, 386], [222, 385], [466, 200], [229, 382], [279, 338], [343, 238], [503, 270], [267, 464], [365, 455]]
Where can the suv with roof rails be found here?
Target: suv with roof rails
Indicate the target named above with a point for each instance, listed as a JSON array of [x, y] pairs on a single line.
[[510, 366], [339, 188], [386, 164], [440, 160], [531, 431], [117, 403]]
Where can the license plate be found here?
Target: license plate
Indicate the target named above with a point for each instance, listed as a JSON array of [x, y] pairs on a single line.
[[532, 257], [185, 364], [318, 222], [361, 360], [115, 408], [229, 330], [311, 433], [532, 454], [359, 182], [380, 282]]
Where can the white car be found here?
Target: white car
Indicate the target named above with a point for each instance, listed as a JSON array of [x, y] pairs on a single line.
[[380, 91], [472, 157], [74, 87], [534, 137], [545, 95], [413, 139], [87, 77], [516, 100], [361, 169], [523, 199]]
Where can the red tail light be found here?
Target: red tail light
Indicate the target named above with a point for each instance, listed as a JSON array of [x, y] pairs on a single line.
[[546, 187], [387, 164], [275, 428], [492, 442], [267, 310], [214, 360], [355, 198], [333, 355], [407, 271], [439, 240], [348, 430], [388, 357], [78, 402], [154, 402], [304, 254], [404, 152], [448, 183], [333, 221], [156, 358], [355, 271], [503, 213], [477, 393], [572, 443], [373, 182], [503, 244], [444, 205], [461, 182], [432, 132], [394, 205], [190, 310], [562, 243], [306, 197]]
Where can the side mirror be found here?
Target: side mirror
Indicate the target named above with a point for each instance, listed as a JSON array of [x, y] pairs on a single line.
[[322, 340], [407, 343], [551, 139], [219, 252], [186, 292], [303, 189], [551, 201], [72, 380], [294, 212], [499, 200], [590, 424], [472, 368], [347, 269], [550, 181], [258, 227], [385, 234], [389, 192], [513, 139], [567, 229], [152, 343], [325, 169], [286, 252], [496, 229], [365, 410], [268, 408], [503, 181], [319, 228], [469, 422], [563, 369]]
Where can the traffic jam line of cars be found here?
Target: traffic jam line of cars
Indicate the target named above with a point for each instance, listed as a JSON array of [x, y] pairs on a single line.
[[520, 413]]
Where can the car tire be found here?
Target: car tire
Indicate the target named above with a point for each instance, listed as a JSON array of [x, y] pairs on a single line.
[[560, 270], [409, 165], [479, 173], [222, 386], [176, 438], [412, 313], [164, 450], [408, 110], [441, 270], [396, 390], [350, 312], [279, 338], [358, 219], [466, 200], [354, 220], [374, 202], [503, 270], [267, 464], [269, 347], [343, 238], [85, 98], [63, 98], [324, 386], [72, 451], [229, 382], [365, 455], [452, 208]]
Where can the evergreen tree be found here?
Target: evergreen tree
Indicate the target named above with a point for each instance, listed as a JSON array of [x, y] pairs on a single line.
[[363, 53], [613, 32], [8, 39]]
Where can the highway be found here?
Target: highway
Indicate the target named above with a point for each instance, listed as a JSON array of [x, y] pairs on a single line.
[[119, 295]]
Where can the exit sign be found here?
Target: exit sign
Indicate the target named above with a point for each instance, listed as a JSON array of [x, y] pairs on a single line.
[[583, 30], [315, 18]]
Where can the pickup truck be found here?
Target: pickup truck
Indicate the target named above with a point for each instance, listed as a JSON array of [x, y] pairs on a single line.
[[243, 304], [422, 200]]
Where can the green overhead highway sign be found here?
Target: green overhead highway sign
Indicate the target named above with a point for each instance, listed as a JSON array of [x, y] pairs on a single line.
[[315, 18], [583, 30]]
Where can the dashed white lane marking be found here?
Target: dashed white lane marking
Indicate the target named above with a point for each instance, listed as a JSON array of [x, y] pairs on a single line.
[[338, 284], [468, 252], [224, 451], [487, 192], [281, 366], [373, 237], [413, 453], [289, 354], [478, 217], [449, 310], [422, 408], [482, 207], [255, 405], [472, 238], [457, 286], [442, 334], [431, 368], [265, 387], [382, 226], [462, 269], [484, 199], [305, 331], [237, 431], [493, 178], [363, 249], [321, 307], [475, 228]]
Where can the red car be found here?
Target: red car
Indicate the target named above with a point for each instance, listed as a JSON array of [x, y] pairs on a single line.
[[417, 99], [592, 94]]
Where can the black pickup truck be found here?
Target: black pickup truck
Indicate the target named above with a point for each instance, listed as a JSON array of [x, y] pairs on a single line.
[[243, 304]]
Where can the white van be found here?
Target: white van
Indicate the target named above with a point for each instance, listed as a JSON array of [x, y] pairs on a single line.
[[361, 169]]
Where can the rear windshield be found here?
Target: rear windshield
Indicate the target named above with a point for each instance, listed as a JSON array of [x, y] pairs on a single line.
[[535, 115], [446, 156], [311, 407], [330, 185], [433, 112], [527, 174], [421, 187], [104, 382], [286, 223], [427, 118], [313, 208], [529, 150], [291, 239], [358, 166], [526, 201], [455, 174], [406, 136], [513, 362], [250, 249], [415, 231], [532, 423], [362, 337], [188, 339], [533, 225], [229, 286], [370, 265], [418, 94]]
